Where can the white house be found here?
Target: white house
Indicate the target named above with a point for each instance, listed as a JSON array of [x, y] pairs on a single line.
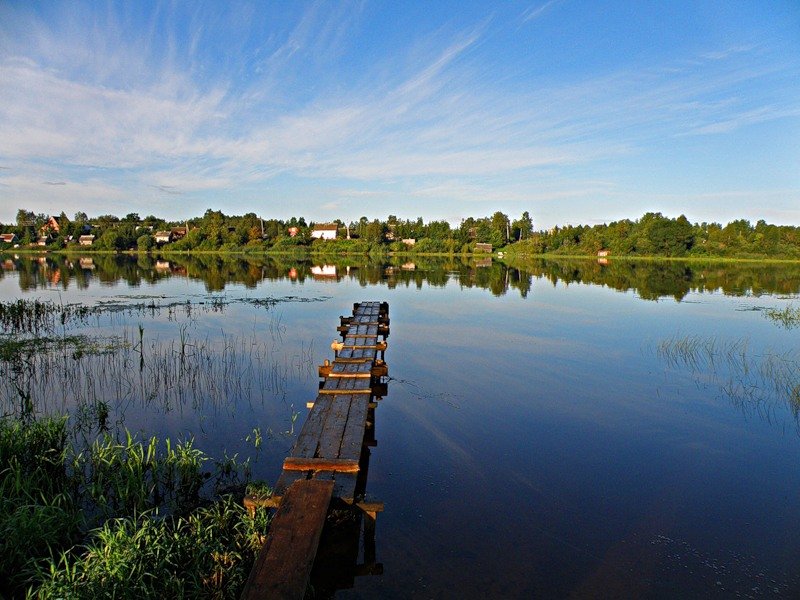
[[325, 231]]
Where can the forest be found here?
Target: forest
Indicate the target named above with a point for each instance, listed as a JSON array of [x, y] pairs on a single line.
[[651, 235]]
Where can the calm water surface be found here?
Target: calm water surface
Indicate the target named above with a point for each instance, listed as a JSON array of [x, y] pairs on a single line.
[[562, 429]]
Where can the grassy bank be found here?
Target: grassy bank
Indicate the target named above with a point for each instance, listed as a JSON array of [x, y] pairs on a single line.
[[119, 519]]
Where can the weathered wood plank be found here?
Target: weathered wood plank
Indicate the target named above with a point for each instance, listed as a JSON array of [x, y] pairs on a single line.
[[335, 385], [344, 484], [331, 438], [353, 436], [286, 479], [308, 438], [338, 465], [351, 370], [284, 563]]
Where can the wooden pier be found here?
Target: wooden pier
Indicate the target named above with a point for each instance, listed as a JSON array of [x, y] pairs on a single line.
[[329, 462]]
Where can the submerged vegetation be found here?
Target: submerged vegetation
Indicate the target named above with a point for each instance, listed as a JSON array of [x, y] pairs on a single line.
[[753, 382], [787, 317]]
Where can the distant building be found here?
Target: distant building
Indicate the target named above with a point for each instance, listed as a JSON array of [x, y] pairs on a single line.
[[603, 252], [293, 231], [42, 241], [54, 225], [163, 237], [8, 238], [86, 240], [409, 241], [179, 232], [325, 231]]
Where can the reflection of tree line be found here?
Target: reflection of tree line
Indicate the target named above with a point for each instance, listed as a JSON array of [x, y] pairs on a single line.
[[650, 279]]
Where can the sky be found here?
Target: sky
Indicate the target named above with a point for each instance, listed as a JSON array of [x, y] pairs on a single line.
[[578, 112]]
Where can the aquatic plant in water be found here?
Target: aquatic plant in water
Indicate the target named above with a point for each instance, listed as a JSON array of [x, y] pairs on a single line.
[[750, 381]]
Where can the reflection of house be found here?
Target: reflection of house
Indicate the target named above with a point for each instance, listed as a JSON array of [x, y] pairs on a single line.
[[8, 265], [483, 263], [603, 252], [8, 238], [324, 272], [162, 266], [481, 247], [163, 237], [325, 231], [409, 266], [86, 240], [86, 263]]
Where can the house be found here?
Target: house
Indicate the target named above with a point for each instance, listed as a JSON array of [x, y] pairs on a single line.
[[8, 238], [293, 231], [86, 240], [481, 247], [163, 237], [54, 225], [179, 232], [42, 241], [603, 252], [325, 231], [409, 241]]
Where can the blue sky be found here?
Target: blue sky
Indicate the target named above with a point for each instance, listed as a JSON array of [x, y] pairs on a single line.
[[576, 111]]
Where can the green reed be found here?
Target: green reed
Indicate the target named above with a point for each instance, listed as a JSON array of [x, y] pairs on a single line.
[[121, 518]]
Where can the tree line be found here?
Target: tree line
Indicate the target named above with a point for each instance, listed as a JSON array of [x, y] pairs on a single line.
[[651, 235]]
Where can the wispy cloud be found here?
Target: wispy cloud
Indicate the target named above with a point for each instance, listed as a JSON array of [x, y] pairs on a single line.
[[100, 104], [536, 11]]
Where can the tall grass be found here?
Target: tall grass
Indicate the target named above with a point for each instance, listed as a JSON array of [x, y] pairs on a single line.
[[120, 519]]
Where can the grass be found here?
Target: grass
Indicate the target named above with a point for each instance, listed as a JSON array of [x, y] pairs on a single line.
[[750, 381], [124, 518], [788, 317]]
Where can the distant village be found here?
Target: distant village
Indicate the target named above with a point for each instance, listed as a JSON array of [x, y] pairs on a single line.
[[651, 235]]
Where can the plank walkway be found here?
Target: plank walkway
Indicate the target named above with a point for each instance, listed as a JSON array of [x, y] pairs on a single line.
[[329, 460]]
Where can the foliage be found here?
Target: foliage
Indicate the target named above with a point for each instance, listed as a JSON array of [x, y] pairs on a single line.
[[120, 519], [651, 235]]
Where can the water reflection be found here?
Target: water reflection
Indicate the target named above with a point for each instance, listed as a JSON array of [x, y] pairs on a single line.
[[651, 280]]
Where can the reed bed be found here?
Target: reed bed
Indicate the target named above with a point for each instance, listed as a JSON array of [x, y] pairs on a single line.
[[124, 518], [119, 371]]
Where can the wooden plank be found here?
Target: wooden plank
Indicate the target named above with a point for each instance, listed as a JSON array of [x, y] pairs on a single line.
[[351, 370], [286, 479], [344, 484], [335, 385], [284, 563], [308, 438], [353, 436], [331, 438], [339, 465]]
